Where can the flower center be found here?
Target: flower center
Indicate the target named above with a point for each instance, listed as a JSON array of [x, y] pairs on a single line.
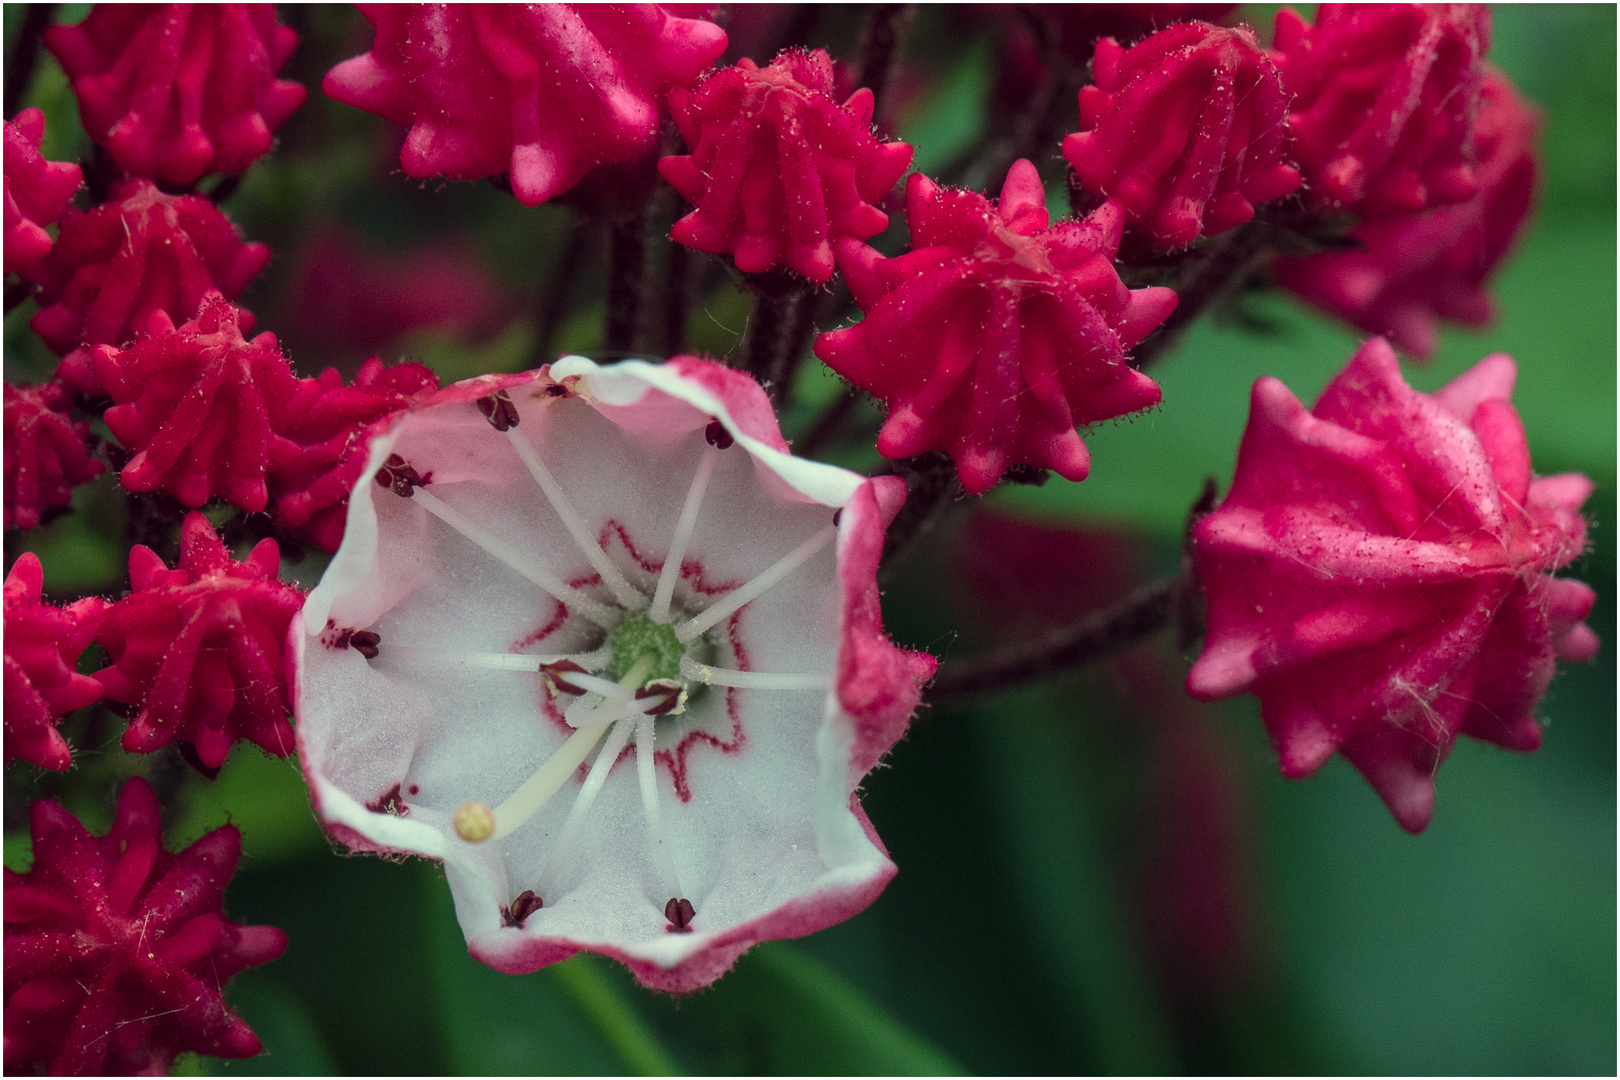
[[639, 638]]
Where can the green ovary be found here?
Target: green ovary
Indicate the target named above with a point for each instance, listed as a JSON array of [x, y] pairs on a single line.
[[640, 637]]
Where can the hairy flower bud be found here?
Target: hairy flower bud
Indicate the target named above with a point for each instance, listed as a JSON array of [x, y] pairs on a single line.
[[542, 92], [1184, 131], [996, 335], [117, 952], [200, 649], [1415, 271], [778, 170], [36, 190], [45, 453], [140, 255], [175, 91], [42, 647], [1383, 99], [1380, 574], [200, 407]]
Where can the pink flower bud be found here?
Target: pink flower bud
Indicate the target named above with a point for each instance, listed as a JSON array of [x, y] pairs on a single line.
[[200, 649], [175, 91], [1184, 131], [144, 253], [544, 92], [42, 650], [1415, 271], [779, 171], [996, 335], [117, 952], [45, 453], [310, 486], [1380, 574], [1384, 95], [200, 407], [36, 190]]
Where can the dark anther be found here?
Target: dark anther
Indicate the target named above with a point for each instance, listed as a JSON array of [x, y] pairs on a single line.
[[499, 410], [556, 674], [365, 643], [1032, 475], [668, 689], [557, 390], [525, 905], [392, 802], [398, 476], [718, 436], [679, 912], [838, 515]]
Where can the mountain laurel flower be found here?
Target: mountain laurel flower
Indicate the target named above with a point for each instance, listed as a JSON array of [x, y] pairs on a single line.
[[200, 407], [200, 650], [1380, 574], [322, 450], [1414, 271], [996, 334], [175, 91], [36, 191], [42, 647], [117, 952], [596, 641], [1383, 99], [1184, 130], [139, 254], [541, 92], [778, 170], [45, 453]]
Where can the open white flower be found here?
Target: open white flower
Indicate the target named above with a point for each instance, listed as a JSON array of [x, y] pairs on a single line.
[[596, 640]]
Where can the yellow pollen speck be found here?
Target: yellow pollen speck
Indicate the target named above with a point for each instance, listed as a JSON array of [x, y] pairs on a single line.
[[474, 822]]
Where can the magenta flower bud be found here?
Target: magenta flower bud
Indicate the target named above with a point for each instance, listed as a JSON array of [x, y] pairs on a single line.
[[1184, 131], [1415, 271], [542, 92], [200, 407], [200, 649], [143, 253], [779, 171], [36, 190], [310, 484], [42, 647], [1380, 575], [1384, 96], [117, 952], [45, 453], [175, 91], [996, 335]]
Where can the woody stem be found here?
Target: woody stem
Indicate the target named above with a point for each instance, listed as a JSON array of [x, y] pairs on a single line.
[[781, 324], [1096, 634], [1211, 276]]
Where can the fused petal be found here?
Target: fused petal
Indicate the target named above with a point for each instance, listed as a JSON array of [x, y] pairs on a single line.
[[667, 628]]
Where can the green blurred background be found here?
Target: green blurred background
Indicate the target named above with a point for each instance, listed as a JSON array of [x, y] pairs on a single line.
[[1096, 875]]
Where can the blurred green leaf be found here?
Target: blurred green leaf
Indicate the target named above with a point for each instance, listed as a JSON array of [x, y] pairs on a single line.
[[1067, 885], [783, 1012], [262, 795], [554, 1021], [293, 1045], [950, 117]]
